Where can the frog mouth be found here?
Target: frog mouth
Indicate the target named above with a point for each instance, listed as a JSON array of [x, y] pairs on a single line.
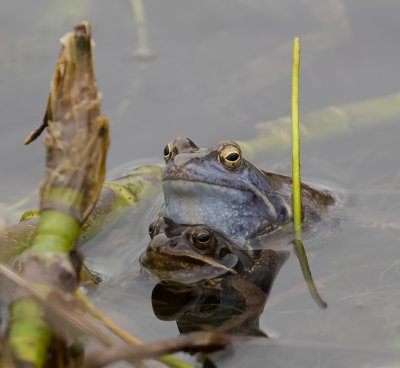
[[171, 178], [182, 261]]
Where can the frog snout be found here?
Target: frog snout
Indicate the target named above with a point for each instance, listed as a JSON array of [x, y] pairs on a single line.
[[171, 244]]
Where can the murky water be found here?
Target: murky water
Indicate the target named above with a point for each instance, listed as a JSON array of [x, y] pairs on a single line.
[[218, 69]]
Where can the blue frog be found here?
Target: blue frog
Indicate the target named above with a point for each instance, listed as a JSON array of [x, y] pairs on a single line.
[[216, 186]]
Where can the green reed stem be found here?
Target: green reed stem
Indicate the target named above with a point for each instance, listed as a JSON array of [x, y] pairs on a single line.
[[305, 269], [296, 184], [296, 189]]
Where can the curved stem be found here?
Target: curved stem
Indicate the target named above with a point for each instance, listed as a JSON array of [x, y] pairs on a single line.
[[296, 184]]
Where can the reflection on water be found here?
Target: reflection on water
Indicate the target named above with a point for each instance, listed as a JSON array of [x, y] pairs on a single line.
[[234, 306], [219, 68]]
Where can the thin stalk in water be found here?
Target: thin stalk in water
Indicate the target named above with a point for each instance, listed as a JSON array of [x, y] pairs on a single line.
[[296, 184], [296, 188]]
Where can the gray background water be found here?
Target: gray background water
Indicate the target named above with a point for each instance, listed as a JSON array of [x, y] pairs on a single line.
[[220, 67]]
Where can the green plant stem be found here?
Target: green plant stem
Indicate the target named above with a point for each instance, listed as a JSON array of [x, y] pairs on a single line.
[[29, 327], [56, 232], [296, 185], [305, 269]]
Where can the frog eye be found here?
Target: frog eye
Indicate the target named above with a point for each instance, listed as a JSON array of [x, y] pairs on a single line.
[[168, 149], [153, 230], [230, 156], [202, 238]]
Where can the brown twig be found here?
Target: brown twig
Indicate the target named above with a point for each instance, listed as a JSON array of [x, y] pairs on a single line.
[[191, 343]]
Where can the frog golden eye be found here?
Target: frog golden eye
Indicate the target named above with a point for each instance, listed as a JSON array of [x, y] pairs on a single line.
[[152, 230], [202, 239], [168, 151], [230, 156]]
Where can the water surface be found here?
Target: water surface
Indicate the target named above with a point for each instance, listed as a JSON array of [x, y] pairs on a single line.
[[219, 68]]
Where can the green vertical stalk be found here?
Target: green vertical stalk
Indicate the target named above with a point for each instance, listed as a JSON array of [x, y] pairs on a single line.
[[296, 184], [296, 190]]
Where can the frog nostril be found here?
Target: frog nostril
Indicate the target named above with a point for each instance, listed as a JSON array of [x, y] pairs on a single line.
[[173, 244]]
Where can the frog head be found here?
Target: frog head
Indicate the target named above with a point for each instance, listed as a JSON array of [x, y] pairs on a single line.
[[218, 187]]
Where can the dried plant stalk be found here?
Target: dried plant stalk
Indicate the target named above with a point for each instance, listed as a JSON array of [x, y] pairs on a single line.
[[76, 147], [77, 139]]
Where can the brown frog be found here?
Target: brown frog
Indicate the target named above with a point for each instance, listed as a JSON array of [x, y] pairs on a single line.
[[207, 280]]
